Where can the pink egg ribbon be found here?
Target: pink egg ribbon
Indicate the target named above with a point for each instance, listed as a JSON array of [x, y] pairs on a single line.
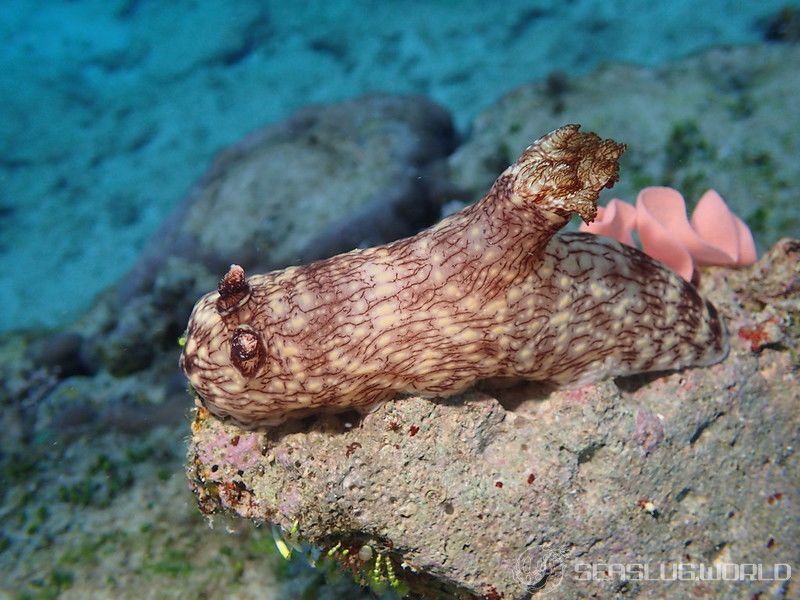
[[714, 236]]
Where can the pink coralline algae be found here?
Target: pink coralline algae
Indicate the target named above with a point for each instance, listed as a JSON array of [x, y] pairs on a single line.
[[649, 431], [243, 451], [714, 236]]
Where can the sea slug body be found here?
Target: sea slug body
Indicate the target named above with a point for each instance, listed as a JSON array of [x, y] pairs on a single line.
[[492, 291]]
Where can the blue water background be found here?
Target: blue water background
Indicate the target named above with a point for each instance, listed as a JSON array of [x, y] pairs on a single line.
[[110, 110]]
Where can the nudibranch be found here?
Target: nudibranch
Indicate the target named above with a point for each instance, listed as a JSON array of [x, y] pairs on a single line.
[[492, 291]]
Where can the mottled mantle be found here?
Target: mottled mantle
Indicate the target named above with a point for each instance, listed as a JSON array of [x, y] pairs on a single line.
[[491, 292], [694, 466]]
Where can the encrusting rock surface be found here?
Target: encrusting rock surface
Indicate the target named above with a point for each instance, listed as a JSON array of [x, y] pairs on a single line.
[[504, 493]]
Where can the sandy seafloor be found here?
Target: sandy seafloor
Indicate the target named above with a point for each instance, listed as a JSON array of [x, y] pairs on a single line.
[[111, 109]]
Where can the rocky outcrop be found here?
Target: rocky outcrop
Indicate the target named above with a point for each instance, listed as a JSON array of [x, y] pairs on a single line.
[[326, 180]]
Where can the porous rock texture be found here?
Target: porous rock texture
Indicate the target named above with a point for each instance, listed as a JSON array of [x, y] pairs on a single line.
[[723, 119], [505, 492]]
